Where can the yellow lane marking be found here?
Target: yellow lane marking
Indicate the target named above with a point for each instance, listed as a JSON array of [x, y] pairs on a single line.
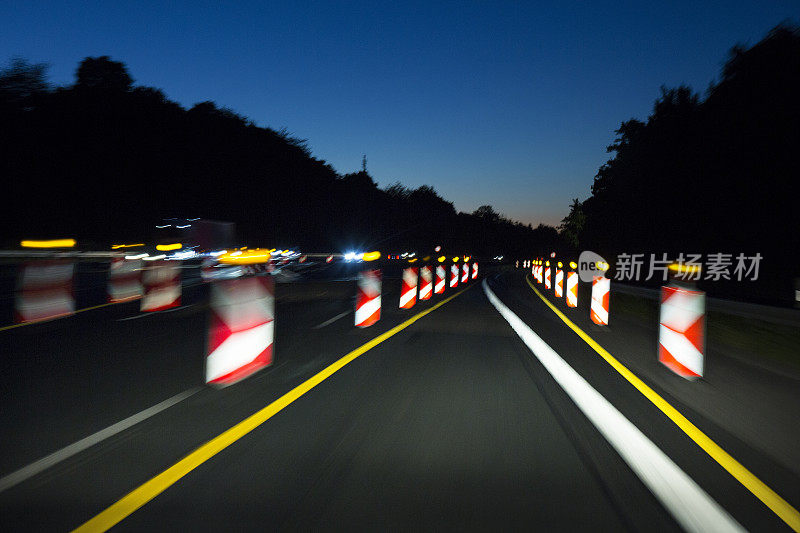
[[155, 486], [12, 326], [760, 490]]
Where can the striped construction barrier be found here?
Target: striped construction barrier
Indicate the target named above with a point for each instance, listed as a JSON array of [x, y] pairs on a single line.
[[441, 280], [44, 291], [598, 310], [572, 289], [465, 273], [162, 286], [425, 283], [454, 276], [681, 332], [547, 284], [559, 285], [242, 328], [207, 270], [124, 280], [408, 291], [368, 298], [475, 270]]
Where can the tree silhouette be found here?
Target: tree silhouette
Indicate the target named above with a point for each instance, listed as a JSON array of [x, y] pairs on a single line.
[[712, 175], [104, 74], [104, 161]]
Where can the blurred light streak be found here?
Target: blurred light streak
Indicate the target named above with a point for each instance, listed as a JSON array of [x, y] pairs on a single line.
[[54, 243], [684, 269], [169, 247], [248, 257]]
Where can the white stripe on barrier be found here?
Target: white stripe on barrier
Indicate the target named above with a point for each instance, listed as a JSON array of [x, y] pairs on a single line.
[[367, 309], [407, 297], [238, 350]]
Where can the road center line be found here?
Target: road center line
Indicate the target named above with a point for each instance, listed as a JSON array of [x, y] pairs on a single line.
[[689, 504], [155, 486], [26, 472], [758, 488]]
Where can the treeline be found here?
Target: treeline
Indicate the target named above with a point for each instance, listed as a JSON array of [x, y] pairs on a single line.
[[104, 160], [707, 175]]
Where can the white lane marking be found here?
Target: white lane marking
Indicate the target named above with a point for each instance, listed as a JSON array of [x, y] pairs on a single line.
[[332, 320], [152, 313], [689, 504], [26, 472]]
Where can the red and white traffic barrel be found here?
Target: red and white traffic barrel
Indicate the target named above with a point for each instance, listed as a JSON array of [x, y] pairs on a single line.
[[572, 289], [162, 286], [242, 329], [441, 279], [408, 291], [682, 331], [124, 280], [368, 298], [465, 273], [598, 311], [559, 281], [425, 283], [207, 269], [475, 270], [454, 276], [44, 291]]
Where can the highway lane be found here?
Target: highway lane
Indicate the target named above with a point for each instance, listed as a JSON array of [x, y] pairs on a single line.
[[450, 423], [726, 405], [68, 378], [438, 427]]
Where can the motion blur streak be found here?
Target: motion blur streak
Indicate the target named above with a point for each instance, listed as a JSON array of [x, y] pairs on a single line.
[[691, 506], [169, 247], [56, 243], [45, 291], [245, 257], [760, 490], [155, 486]]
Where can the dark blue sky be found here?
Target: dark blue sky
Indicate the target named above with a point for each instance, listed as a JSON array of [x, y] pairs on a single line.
[[509, 104]]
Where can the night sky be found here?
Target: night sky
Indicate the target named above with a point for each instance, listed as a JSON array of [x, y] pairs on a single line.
[[509, 104]]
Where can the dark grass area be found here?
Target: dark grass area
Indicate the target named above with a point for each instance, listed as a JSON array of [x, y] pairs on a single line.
[[757, 341]]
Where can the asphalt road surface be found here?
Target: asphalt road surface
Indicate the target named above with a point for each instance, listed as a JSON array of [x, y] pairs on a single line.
[[451, 421]]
